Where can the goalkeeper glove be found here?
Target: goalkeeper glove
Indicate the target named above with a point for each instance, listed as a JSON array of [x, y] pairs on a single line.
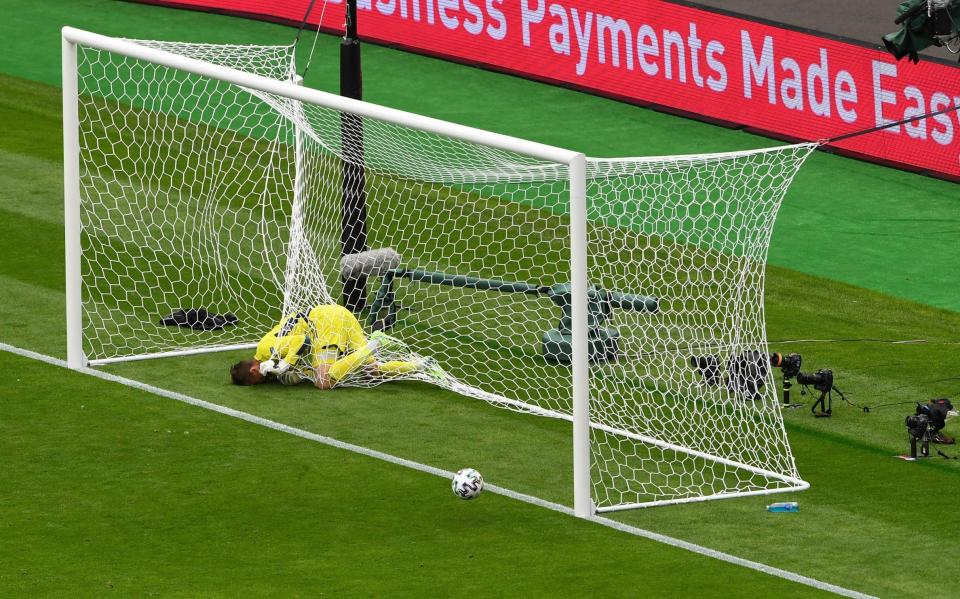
[[282, 367], [267, 367]]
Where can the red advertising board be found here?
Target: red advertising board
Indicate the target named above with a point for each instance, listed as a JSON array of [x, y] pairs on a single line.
[[713, 65]]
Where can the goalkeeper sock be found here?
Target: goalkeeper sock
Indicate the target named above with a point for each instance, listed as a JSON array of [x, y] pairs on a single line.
[[351, 362], [395, 367]]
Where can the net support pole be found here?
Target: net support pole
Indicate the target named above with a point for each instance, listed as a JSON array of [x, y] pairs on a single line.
[[582, 501], [71, 204], [353, 232], [294, 247]]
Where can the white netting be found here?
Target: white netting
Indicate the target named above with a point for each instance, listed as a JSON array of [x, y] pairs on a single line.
[[199, 193], [275, 62]]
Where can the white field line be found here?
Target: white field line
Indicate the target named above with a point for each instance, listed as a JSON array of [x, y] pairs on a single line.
[[692, 547]]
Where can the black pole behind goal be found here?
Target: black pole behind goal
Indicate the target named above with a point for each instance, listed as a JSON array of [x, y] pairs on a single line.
[[353, 222]]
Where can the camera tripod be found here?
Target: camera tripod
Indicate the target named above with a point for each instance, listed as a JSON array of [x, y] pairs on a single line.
[[924, 446], [787, 385], [825, 401]]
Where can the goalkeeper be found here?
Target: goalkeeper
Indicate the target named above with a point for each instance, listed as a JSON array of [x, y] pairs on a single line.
[[327, 341]]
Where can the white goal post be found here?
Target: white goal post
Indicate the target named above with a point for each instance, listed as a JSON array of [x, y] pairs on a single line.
[[196, 173]]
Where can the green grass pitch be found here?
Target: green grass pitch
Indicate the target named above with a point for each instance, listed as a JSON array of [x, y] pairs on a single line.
[[108, 489]]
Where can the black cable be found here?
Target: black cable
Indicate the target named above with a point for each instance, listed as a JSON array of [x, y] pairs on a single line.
[[888, 404], [834, 140], [868, 409], [951, 378], [303, 23], [865, 340]]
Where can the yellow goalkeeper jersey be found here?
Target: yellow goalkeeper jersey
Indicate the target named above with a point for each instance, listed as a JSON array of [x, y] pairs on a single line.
[[316, 337]]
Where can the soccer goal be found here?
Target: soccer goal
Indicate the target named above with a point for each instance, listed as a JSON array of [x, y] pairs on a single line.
[[539, 280]]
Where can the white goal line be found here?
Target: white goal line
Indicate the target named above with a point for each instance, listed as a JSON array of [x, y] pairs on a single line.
[[358, 449], [172, 354]]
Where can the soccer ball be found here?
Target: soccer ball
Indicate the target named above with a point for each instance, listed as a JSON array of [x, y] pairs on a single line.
[[467, 483]]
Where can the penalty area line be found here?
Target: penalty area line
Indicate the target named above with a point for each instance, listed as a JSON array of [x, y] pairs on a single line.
[[330, 441]]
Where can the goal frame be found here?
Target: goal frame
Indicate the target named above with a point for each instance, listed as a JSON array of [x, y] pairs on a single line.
[[575, 161], [576, 179]]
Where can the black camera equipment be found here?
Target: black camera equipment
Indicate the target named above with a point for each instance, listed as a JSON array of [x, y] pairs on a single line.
[[924, 23], [746, 372], [709, 368], [822, 381], [925, 425], [789, 366], [918, 426]]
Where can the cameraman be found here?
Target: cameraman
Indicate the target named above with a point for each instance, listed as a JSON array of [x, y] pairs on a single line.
[[938, 411]]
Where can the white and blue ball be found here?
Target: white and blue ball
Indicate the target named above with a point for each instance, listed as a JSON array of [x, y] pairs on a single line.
[[467, 483]]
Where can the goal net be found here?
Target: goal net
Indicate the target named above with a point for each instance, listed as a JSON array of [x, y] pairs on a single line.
[[218, 190]]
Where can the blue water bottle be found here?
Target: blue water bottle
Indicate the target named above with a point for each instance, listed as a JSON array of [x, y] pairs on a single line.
[[784, 506]]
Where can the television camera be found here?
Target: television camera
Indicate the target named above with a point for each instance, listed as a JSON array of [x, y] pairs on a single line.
[[746, 374], [925, 424], [924, 23]]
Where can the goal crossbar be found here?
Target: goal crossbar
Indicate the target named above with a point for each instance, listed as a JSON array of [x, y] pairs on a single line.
[[313, 96]]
